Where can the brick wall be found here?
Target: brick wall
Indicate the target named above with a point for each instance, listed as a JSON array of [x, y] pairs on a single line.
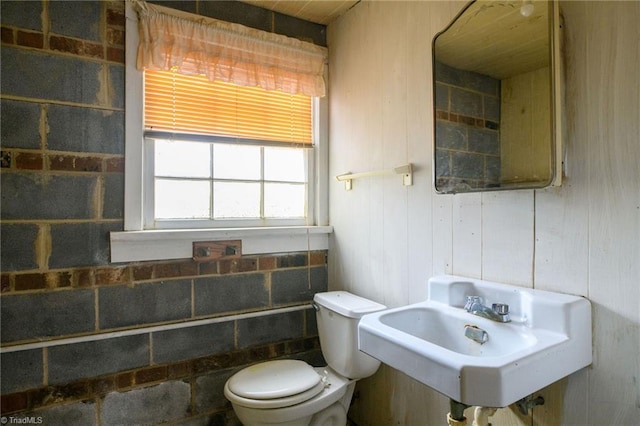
[[85, 341], [467, 128]]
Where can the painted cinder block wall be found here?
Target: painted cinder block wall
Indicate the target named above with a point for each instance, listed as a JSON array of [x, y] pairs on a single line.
[[62, 188]]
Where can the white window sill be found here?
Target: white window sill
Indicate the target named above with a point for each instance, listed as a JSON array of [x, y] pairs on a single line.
[[131, 246]]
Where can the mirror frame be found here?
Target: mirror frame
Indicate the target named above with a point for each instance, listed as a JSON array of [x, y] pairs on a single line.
[[557, 106]]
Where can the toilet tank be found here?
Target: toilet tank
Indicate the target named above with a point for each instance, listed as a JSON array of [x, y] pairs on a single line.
[[338, 314]]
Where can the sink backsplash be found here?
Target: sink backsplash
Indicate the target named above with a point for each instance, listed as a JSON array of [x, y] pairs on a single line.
[[453, 290]]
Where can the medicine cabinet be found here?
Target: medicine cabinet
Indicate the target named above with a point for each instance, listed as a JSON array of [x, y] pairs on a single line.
[[498, 98]]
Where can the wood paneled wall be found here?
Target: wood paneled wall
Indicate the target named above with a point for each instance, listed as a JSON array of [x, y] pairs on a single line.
[[581, 238]]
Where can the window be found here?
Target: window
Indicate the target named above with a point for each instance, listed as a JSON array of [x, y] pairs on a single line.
[[151, 236], [221, 155]]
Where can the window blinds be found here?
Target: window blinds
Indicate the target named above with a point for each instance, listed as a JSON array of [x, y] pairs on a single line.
[[178, 103]]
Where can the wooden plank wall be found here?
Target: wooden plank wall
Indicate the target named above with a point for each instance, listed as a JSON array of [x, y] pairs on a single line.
[[582, 238]]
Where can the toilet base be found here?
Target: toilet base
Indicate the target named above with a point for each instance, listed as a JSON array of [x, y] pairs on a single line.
[[334, 415]]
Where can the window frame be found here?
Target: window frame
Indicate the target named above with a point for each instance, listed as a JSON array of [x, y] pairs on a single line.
[[137, 243]]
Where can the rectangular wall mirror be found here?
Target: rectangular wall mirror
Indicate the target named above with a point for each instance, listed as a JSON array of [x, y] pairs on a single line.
[[497, 98]]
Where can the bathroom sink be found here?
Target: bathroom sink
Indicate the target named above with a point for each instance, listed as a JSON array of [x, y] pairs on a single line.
[[476, 360]]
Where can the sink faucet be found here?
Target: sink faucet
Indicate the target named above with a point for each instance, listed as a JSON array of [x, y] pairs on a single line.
[[497, 312]]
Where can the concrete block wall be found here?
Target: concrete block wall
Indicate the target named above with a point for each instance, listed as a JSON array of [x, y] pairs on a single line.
[[85, 341], [468, 128]]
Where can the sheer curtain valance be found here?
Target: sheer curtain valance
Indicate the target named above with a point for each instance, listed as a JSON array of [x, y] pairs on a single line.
[[192, 44]]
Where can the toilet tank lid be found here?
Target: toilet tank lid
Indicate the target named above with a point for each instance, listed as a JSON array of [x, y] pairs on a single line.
[[347, 304]]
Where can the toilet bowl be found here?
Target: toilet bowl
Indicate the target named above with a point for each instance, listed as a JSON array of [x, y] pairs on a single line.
[[314, 406], [291, 392]]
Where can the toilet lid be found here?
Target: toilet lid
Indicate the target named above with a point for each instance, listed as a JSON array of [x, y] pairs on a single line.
[[275, 379], [262, 404]]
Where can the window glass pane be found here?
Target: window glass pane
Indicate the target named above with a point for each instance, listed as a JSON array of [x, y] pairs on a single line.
[[236, 162], [182, 159], [284, 200], [181, 199], [284, 164], [236, 200]]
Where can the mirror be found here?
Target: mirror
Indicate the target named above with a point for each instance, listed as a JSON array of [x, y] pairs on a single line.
[[497, 98]]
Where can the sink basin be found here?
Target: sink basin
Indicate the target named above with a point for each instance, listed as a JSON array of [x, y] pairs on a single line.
[[446, 330], [548, 338]]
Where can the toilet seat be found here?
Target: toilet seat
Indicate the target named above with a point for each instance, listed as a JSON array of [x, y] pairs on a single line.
[[274, 384]]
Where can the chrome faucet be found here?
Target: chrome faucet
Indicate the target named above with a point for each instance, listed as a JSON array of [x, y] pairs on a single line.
[[497, 312]]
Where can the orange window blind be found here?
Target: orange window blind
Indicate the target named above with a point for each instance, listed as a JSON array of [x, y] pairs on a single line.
[[192, 104]]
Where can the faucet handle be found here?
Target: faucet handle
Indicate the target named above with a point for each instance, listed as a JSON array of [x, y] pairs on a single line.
[[500, 308], [472, 300]]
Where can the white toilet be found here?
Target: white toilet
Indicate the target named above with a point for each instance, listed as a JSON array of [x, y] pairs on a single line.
[[291, 392]]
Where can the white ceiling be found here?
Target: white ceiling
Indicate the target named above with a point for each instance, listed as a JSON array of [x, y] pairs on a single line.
[[318, 11]]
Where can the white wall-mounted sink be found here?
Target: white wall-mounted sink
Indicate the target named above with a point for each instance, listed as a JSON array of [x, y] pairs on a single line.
[[548, 338]]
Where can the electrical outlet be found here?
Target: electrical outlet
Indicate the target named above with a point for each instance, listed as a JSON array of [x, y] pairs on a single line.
[[205, 251]]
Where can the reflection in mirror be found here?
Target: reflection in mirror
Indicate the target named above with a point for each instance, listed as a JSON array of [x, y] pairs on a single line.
[[496, 77]]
